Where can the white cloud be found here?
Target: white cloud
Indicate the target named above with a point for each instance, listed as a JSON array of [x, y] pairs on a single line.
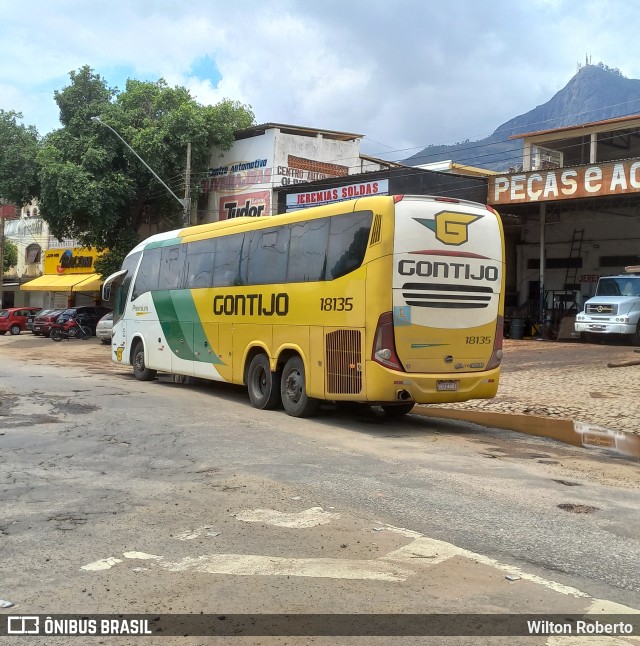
[[406, 73]]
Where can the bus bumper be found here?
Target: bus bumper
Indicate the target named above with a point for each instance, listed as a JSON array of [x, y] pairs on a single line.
[[605, 327], [387, 386]]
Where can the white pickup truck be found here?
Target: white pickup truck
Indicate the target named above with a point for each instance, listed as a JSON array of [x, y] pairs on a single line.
[[615, 308]]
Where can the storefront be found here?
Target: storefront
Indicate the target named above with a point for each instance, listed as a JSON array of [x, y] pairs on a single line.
[[573, 211], [69, 278], [396, 181]]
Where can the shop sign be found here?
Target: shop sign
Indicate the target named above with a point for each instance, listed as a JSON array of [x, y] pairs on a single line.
[[338, 194], [237, 175], [595, 180], [76, 260], [253, 205], [8, 212]]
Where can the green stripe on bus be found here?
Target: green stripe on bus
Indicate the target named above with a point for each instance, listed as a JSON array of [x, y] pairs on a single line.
[[184, 333], [163, 243]]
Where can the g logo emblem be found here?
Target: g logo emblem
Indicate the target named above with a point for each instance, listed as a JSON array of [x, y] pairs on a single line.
[[450, 228], [453, 228]]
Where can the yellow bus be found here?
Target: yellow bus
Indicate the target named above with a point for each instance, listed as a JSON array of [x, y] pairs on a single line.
[[382, 300]]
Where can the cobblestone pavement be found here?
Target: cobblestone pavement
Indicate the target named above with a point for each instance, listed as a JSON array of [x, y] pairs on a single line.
[[570, 381]]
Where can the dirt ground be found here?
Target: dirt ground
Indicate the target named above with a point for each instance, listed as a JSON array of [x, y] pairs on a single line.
[[588, 383], [568, 380]]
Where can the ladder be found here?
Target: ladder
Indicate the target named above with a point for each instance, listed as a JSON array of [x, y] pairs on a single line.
[[574, 252]]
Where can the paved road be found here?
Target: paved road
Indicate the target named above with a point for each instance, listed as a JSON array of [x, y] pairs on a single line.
[[120, 496]]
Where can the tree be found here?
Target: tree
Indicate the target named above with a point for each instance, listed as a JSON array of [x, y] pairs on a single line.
[[10, 255], [18, 165], [94, 189]]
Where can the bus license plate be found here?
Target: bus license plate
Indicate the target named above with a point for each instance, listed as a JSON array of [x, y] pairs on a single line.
[[447, 385]]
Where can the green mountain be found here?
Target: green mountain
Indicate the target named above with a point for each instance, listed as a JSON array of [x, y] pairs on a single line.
[[595, 93]]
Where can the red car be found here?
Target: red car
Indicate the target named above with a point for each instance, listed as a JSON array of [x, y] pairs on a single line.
[[43, 321], [14, 319]]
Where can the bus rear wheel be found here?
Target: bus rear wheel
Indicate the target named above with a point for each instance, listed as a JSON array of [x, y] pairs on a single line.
[[293, 390], [262, 384], [140, 370]]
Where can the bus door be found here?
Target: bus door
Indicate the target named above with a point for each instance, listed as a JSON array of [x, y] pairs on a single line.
[[178, 326]]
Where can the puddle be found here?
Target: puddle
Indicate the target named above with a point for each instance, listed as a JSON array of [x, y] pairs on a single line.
[[581, 434], [577, 509]]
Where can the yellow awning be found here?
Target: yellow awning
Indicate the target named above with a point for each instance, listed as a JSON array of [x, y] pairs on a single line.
[[91, 283], [68, 283]]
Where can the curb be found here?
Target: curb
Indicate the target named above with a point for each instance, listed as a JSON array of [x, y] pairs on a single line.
[[563, 430]]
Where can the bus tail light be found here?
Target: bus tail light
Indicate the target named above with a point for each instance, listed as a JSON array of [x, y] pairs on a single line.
[[496, 355], [397, 198], [384, 345]]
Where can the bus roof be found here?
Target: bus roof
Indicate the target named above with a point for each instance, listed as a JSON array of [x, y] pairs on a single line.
[[200, 231]]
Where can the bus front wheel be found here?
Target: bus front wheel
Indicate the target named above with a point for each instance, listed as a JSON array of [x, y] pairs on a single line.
[[140, 370], [262, 384], [293, 390]]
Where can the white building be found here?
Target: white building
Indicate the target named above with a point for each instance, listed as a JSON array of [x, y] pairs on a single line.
[[30, 233], [241, 180]]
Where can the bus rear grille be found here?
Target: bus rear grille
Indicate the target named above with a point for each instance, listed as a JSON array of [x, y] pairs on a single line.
[[344, 362], [375, 230], [446, 296]]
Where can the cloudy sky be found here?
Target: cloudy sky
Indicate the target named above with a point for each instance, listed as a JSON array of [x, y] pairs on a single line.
[[405, 73]]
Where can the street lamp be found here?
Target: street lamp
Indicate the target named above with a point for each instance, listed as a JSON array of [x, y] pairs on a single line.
[[183, 203]]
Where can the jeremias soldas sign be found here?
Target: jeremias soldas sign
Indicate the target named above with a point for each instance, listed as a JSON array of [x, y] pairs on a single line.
[[329, 195], [74, 260]]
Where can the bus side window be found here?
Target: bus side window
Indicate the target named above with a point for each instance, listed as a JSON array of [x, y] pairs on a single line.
[[348, 240], [230, 261], [172, 267], [199, 270], [147, 278], [268, 255], [308, 251]]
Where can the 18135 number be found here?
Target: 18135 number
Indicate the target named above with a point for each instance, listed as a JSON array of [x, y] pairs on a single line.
[[336, 304]]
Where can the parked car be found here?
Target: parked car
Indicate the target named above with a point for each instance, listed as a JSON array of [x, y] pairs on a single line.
[[42, 321], [30, 318], [14, 319], [104, 329], [86, 315]]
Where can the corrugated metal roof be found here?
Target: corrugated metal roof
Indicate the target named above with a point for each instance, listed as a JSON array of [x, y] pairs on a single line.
[[254, 131], [580, 126]]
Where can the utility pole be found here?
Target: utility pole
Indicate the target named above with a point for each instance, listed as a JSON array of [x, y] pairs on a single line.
[[187, 188], [1, 258]]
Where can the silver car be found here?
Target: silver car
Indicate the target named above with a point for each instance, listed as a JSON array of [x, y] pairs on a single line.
[[104, 328]]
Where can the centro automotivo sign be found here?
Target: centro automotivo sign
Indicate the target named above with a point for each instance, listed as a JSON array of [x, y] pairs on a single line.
[[594, 180]]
